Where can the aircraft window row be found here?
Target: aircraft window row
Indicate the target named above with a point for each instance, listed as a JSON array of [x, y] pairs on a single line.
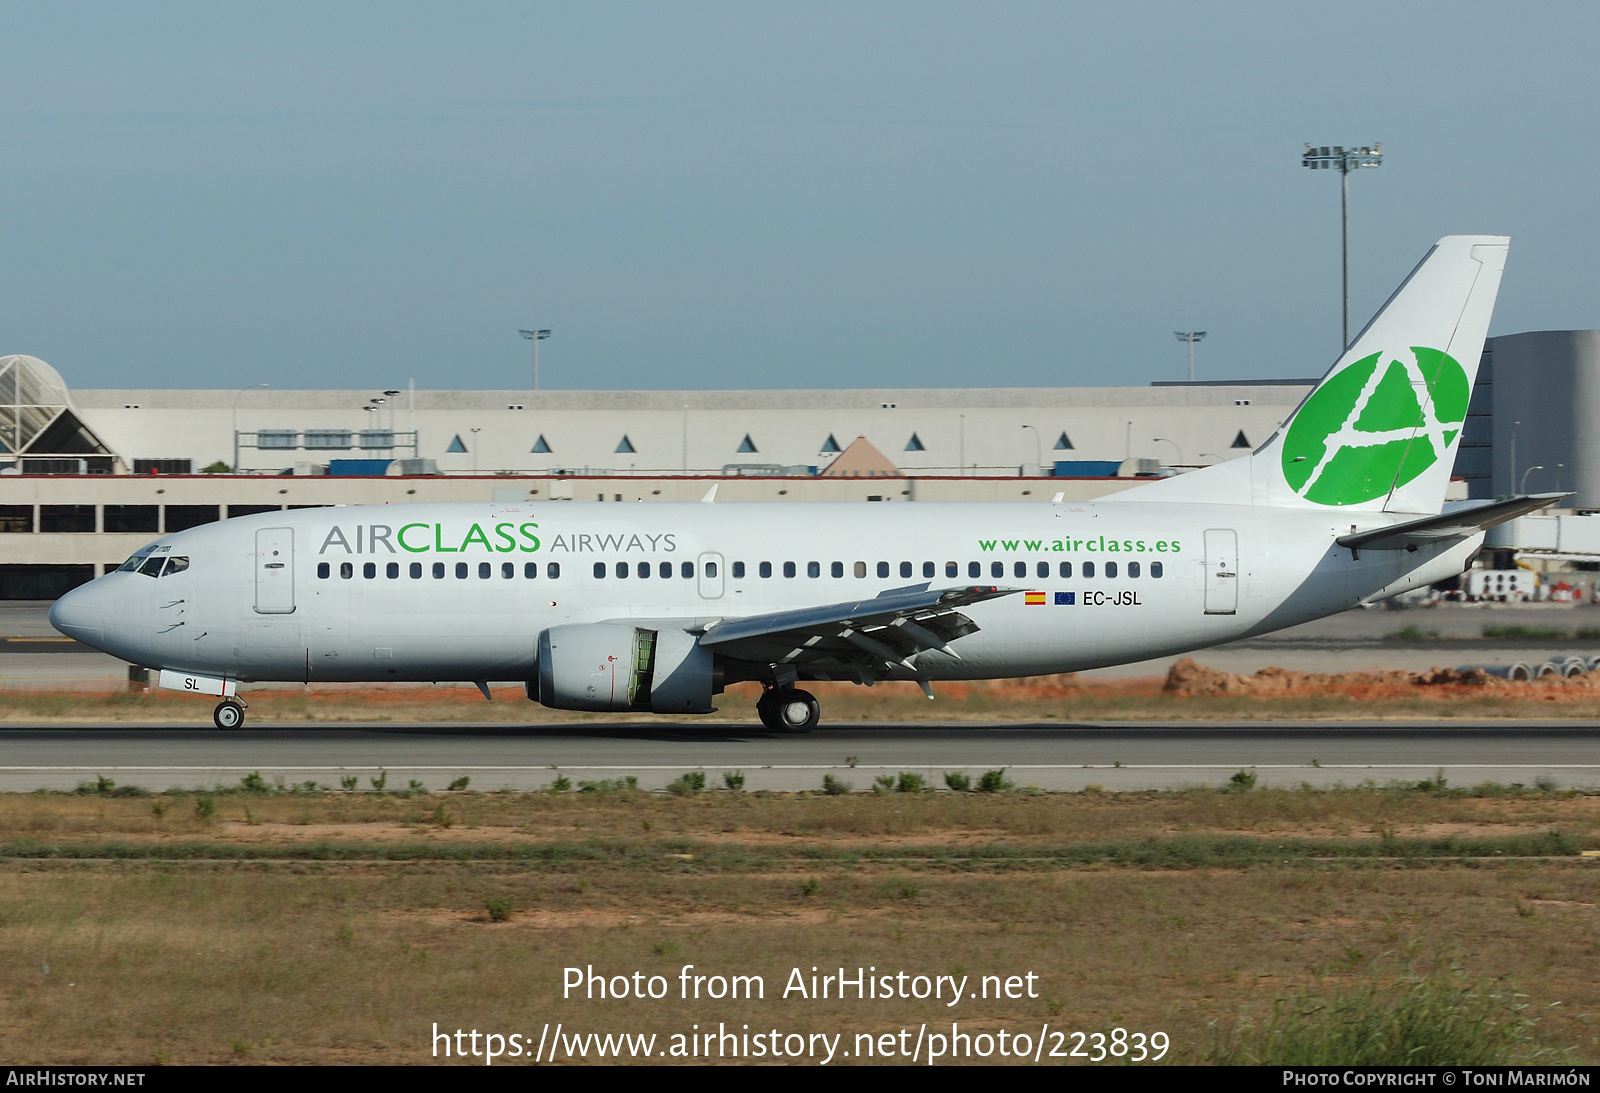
[[660, 570], [686, 570], [440, 570], [974, 570], [154, 565]]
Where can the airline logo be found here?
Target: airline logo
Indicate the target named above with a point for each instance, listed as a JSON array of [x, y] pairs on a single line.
[[1374, 427]]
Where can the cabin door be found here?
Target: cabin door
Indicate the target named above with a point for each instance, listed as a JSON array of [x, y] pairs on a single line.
[[275, 571], [1222, 571]]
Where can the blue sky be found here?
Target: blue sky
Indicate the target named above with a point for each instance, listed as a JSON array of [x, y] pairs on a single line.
[[767, 195]]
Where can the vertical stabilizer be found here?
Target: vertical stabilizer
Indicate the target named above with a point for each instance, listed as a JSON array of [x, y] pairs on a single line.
[[1380, 431]]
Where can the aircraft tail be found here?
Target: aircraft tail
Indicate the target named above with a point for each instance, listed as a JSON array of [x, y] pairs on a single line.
[[1379, 432]]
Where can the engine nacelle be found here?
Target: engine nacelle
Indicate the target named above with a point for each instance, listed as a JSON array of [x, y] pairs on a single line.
[[610, 666]]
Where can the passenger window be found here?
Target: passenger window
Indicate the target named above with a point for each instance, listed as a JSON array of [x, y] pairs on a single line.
[[462, 571], [369, 570], [1020, 570], [323, 569], [1155, 569], [553, 570], [530, 571], [997, 569], [438, 571], [666, 568], [1044, 569], [860, 570], [600, 570], [765, 569], [1088, 569], [813, 569], [1065, 569], [928, 569], [738, 571], [952, 569], [1111, 569], [485, 571], [711, 569], [508, 570], [622, 569], [644, 569], [392, 571], [416, 570], [347, 570], [788, 569], [837, 569], [1133, 569], [883, 569], [905, 569], [974, 569], [686, 570]]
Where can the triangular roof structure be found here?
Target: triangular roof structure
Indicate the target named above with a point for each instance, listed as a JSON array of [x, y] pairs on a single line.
[[37, 418], [861, 460]]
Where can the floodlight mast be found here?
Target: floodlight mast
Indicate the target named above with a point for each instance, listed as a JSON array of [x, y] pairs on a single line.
[[535, 336], [1190, 336], [1347, 160]]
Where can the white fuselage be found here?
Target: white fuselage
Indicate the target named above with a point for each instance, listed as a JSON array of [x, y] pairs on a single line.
[[463, 592]]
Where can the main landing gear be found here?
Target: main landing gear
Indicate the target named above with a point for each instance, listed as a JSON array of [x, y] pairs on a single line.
[[229, 714], [787, 709]]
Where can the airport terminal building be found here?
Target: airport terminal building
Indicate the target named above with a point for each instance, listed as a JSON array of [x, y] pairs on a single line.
[[86, 477]]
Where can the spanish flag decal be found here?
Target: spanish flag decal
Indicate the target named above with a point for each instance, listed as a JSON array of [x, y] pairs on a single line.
[[1033, 599]]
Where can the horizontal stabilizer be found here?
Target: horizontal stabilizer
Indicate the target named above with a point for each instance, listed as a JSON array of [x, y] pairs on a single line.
[[1460, 524]]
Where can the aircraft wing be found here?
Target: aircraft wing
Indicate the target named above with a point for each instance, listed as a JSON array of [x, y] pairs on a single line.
[[1458, 524], [859, 640]]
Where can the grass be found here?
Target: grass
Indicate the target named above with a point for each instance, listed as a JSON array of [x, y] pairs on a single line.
[[290, 926], [1436, 1016]]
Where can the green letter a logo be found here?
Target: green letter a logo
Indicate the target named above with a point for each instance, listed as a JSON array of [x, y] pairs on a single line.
[[1371, 427]]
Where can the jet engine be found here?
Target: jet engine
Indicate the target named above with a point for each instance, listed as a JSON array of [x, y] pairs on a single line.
[[617, 666]]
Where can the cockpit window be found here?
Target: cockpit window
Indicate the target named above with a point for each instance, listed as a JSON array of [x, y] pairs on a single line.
[[152, 566], [132, 564]]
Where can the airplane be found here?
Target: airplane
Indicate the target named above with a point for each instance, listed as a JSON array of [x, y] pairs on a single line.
[[657, 608]]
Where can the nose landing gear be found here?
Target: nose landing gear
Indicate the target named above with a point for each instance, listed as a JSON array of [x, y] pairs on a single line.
[[788, 709]]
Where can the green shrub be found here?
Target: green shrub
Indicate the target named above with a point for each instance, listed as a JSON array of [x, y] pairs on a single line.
[[958, 781], [460, 783], [733, 779], [909, 782], [995, 781], [835, 787], [1243, 781], [687, 784], [499, 909]]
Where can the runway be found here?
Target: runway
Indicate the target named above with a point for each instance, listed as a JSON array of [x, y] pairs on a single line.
[[1050, 757]]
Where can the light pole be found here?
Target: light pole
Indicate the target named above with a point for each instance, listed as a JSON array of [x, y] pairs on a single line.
[[475, 433], [241, 391], [1347, 160], [1524, 486], [1038, 443], [1174, 443], [535, 336], [1190, 336]]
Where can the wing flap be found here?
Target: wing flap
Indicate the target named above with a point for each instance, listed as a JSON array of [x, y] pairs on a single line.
[[861, 639]]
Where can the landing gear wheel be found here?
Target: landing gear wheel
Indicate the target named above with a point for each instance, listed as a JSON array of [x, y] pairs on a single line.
[[767, 710], [228, 714], [796, 711]]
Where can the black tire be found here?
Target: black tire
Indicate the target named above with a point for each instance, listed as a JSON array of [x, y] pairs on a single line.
[[228, 714], [767, 710], [796, 711]]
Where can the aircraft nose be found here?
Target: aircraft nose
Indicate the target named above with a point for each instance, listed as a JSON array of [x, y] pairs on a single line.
[[81, 615]]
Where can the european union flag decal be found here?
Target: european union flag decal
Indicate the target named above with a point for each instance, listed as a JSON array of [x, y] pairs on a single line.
[[1068, 599]]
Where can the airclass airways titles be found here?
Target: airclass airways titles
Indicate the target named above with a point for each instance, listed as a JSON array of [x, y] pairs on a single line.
[[501, 538]]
